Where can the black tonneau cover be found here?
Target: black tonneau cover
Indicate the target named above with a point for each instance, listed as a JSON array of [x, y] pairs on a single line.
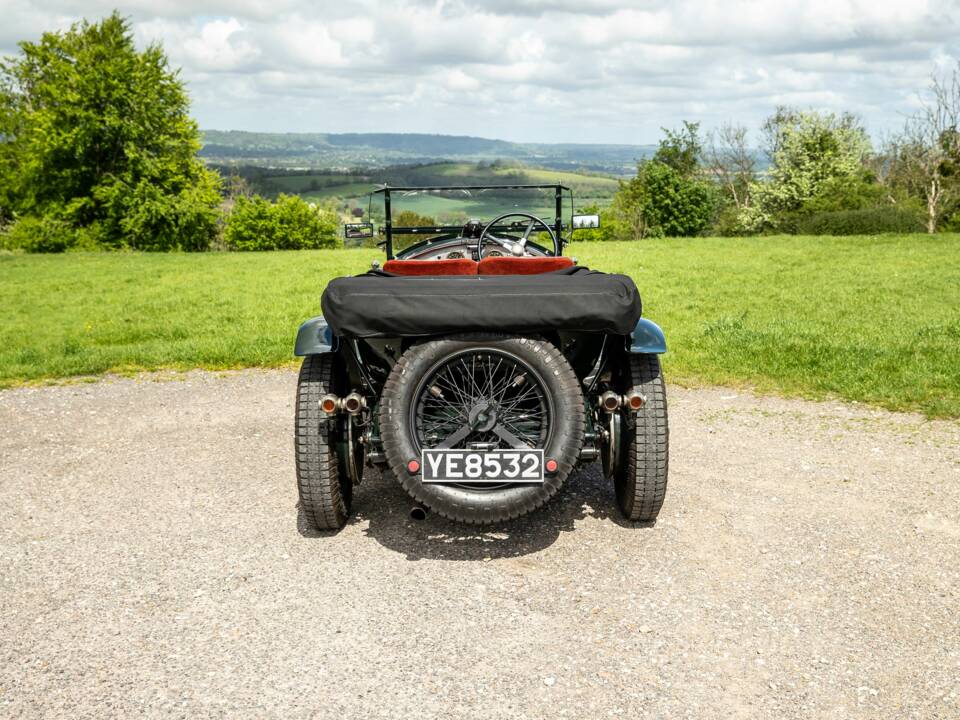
[[379, 304]]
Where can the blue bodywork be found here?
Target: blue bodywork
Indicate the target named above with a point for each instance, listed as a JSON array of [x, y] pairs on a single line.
[[315, 338], [647, 337]]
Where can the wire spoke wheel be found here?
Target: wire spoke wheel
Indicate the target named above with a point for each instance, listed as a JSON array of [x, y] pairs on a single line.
[[482, 392], [481, 399], [471, 398]]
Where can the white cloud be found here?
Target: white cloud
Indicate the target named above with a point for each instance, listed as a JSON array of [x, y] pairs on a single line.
[[553, 70]]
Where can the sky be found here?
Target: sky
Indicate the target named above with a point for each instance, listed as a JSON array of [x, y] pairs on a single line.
[[530, 70]]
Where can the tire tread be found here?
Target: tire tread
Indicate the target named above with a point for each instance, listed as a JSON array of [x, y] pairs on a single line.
[[641, 483], [322, 499]]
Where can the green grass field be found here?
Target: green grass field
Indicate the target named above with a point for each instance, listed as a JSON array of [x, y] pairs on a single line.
[[872, 319]]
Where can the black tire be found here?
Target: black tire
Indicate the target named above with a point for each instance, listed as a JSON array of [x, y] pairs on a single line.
[[470, 504], [325, 491], [641, 477]]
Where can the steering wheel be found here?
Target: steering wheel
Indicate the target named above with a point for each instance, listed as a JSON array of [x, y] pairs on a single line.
[[517, 248]]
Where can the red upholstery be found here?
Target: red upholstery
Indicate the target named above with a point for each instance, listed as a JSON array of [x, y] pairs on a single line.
[[457, 266], [522, 265]]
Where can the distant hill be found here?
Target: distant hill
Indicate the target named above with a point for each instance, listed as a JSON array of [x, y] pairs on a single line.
[[372, 150]]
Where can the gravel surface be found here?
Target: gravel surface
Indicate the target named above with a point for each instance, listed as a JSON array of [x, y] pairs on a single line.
[[806, 564]]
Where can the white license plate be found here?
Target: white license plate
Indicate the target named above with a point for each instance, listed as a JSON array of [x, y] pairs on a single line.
[[482, 466]]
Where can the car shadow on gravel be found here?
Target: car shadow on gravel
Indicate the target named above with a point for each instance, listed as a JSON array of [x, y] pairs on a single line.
[[380, 502]]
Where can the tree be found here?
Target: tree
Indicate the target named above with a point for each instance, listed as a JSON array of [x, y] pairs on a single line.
[[681, 149], [662, 201], [775, 126], [926, 156], [808, 150], [731, 162], [97, 135]]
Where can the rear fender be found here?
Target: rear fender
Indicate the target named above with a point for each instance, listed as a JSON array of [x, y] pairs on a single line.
[[315, 338], [648, 338]]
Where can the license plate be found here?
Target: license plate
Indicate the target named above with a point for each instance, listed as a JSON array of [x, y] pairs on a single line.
[[482, 466]]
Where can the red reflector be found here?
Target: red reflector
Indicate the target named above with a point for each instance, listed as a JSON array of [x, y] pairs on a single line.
[[413, 467], [551, 465], [636, 402], [329, 406]]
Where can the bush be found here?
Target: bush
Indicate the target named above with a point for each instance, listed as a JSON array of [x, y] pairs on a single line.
[[145, 217], [38, 235], [290, 223], [726, 222], [869, 221], [847, 193]]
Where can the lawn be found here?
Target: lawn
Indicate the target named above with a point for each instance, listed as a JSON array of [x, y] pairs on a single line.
[[872, 319]]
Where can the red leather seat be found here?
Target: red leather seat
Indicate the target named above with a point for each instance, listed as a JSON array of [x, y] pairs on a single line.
[[456, 266], [522, 265]]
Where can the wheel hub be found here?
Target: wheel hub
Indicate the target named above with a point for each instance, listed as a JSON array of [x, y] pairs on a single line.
[[483, 416]]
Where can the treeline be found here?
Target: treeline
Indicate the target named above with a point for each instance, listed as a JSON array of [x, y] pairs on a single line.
[[825, 177], [98, 151]]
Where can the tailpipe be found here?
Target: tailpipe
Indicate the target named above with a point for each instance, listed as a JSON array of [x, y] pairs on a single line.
[[418, 512], [354, 403]]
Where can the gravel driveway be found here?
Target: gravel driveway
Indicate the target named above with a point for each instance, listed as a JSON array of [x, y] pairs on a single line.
[[806, 564]]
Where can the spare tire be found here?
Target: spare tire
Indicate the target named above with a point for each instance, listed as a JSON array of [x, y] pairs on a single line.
[[524, 384]]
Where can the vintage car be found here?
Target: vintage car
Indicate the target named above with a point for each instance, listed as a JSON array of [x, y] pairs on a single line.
[[481, 368]]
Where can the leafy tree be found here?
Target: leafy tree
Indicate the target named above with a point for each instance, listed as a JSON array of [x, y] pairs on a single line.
[[96, 135], [662, 201], [667, 196], [808, 149], [681, 149], [290, 223]]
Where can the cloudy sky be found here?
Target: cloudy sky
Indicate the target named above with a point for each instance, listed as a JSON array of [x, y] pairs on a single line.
[[530, 70]]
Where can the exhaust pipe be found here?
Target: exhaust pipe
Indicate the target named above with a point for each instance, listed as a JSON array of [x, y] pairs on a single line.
[[418, 512], [354, 403], [330, 404], [634, 400], [609, 401]]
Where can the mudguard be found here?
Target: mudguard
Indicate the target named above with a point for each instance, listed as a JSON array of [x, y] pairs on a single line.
[[315, 338], [648, 338]]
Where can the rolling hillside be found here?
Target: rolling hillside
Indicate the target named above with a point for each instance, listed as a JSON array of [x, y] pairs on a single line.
[[370, 150], [352, 188]]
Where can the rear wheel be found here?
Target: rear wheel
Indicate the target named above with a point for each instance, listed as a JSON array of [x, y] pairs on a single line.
[[482, 392], [640, 476], [323, 482]]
